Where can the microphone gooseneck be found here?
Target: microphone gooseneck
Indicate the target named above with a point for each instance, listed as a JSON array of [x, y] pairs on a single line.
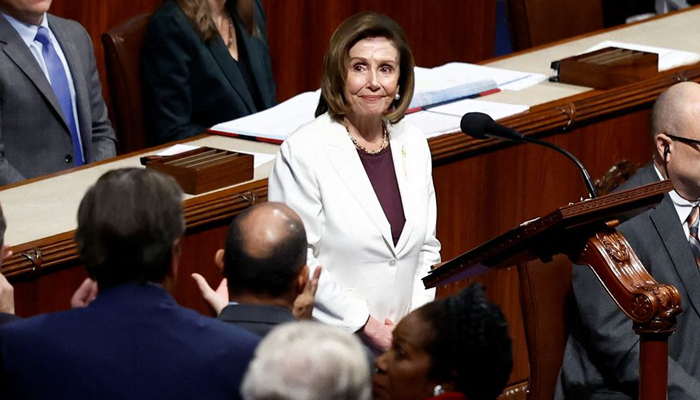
[[482, 126]]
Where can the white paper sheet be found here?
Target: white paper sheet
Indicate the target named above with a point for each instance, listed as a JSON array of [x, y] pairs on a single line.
[[279, 122], [275, 123], [440, 84], [258, 158], [505, 79], [495, 110], [177, 149], [668, 58], [434, 124]]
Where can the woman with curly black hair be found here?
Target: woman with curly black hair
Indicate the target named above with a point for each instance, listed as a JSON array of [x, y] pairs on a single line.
[[455, 348]]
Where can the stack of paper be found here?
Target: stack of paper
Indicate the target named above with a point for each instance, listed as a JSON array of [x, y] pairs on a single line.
[[444, 84], [447, 118], [434, 86], [274, 124], [505, 79]]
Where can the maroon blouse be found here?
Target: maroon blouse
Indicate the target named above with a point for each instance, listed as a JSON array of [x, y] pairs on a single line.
[[382, 174]]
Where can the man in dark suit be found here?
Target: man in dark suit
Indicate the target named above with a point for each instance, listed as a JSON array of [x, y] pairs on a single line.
[[602, 355], [264, 264], [133, 341], [52, 115]]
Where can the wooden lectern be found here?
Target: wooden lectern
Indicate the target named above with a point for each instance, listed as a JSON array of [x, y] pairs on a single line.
[[585, 233]]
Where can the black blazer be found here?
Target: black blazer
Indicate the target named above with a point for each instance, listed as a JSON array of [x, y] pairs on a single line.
[[259, 319], [189, 85], [5, 318]]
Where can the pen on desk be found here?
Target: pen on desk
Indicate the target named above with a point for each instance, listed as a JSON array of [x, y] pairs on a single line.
[[146, 159]]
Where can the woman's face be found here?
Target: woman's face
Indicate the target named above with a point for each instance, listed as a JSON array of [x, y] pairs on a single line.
[[373, 77], [402, 372]]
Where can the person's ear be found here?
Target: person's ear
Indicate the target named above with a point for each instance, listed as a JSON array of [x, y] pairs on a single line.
[[171, 277], [302, 279], [177, 247], [664, 146], [6, 253], [450, 385], [176, 250], [219, 259]]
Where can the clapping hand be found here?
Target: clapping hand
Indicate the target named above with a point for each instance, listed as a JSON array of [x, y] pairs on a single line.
[[217, 299]]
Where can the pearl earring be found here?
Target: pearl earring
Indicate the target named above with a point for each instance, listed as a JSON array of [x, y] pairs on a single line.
[[397, 96], [438, 390]]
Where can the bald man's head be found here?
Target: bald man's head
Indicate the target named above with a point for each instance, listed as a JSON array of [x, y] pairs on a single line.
[[676, 129], [265, 250], [673, 112]]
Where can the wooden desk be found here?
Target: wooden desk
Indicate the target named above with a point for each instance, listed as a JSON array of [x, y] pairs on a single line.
[[483, 188]]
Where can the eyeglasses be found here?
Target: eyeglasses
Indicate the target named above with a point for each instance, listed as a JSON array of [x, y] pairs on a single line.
[[685, 140]]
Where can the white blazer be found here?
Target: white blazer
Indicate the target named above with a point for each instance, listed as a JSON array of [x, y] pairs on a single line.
[[318, 173]]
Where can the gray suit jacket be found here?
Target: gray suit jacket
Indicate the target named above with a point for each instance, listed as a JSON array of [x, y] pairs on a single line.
[[602, 355], [34, 136]]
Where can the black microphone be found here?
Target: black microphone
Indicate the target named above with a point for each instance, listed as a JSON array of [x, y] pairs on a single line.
[[481, 126]]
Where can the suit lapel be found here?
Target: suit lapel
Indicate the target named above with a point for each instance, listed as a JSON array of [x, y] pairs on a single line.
[[230, 69], [646, 175], [343, 156], [254, 52], [403, 155], [19, 53], [665, 220]]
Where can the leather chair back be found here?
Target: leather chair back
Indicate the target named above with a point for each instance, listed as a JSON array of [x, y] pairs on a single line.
[[122, 45]]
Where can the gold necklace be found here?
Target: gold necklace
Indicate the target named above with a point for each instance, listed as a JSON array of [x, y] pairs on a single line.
[[229, 42], [385, 140], [226, 20]]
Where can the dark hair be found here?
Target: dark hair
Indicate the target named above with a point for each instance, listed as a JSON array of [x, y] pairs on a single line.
[[274, 273], [127, 224], [3, 227], [199, 14], [466, 328], [352, 30]]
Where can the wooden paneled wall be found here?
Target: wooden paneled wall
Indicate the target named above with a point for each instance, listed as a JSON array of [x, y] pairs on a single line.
[[439, 31], [538, 22], [97, 16]]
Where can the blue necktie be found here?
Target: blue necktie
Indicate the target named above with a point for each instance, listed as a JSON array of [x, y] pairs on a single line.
[[693, 223], [59, 83]]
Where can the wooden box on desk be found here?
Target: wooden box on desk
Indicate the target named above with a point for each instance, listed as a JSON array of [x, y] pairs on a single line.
[[608, 68], [205, 169]]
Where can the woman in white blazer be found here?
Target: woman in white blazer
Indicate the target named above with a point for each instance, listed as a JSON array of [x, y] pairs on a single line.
[[361, 180]]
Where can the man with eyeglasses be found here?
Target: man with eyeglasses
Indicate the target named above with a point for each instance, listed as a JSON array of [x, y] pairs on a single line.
[[602, 354]]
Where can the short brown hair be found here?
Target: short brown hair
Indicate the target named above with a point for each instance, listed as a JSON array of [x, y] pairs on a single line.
[[362, 26], [128, 222]]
